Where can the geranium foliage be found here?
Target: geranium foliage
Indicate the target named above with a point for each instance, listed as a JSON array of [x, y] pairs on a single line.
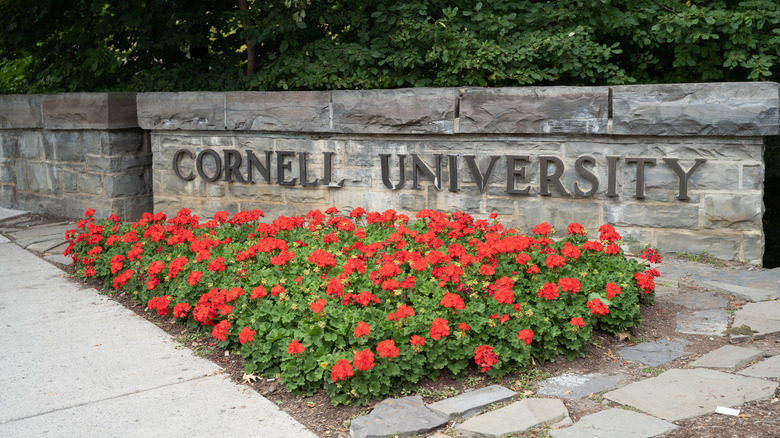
[[368, 304]]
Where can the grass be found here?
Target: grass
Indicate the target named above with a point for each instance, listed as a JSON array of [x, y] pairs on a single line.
[[527, 380], [652, 371], [702, 257]]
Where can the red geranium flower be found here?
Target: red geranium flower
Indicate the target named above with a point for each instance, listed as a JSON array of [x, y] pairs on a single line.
[[295, 347], [363, 360], [387, 349], [554, 261], [569, 285], [258, 292], [575, 228], [463, 327], [543, 229], [453, 301], [180, 310], [417, 340], [246, 335], [485, 358], [651, 256], [549, 291], [439, 329], [571, 251], [318, 305], [362, 329], [220, 330], [612, 290], [342, 370], [217, 265], [597, 307], [526, 336], [577, 322]]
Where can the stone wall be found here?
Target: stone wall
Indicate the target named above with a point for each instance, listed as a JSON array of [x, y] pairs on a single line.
[[675, 166], [63, 153]]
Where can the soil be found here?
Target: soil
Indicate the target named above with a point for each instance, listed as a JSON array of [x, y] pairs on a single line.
[[756, 419]]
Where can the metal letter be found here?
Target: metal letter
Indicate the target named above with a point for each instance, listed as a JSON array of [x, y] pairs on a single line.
[[612, 176], [217, 161], [254, 163], [419, 166], [683, 175], [281, 166], [453, 169], [587, 174], [555, 178], [302, 171], [232, 164], [480, 179], [384, 158], [327, 179], [640, 174], [176, 158], [512, 173]]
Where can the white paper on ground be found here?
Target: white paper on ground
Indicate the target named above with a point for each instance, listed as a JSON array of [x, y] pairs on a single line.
[[727, 411]]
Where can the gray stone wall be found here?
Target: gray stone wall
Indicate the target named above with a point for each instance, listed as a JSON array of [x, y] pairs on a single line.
[[679, 167], [64, 153]]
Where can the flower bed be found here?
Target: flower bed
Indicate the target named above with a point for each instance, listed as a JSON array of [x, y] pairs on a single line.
[[368, 304]]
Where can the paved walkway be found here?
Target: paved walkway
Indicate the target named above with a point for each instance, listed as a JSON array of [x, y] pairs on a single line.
[[76, 363]]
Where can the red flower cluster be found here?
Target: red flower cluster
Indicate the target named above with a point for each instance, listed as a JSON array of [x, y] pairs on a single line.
[[246, 335], [439, 329], [597, 307], [549, 291], [570, 285], [453, 301], [342, 370], [363, 360], [577, 323], [651, 256], [612, 290], [526, 336], [220, 331], [295, 347], [387, 349], [362, 329], [485, 358], [160, 304]]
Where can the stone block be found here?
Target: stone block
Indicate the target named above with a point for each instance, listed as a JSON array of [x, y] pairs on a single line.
[[468, 200], [195, 111], [737, 211], [89, 111], [91, 184], [103, 164], [712, 109], [9, 146], [752, 177], [710, 322], [535, 110], [720, 244], [306, 195], [769, 368], [38, 203], [574, 386], [43, 178], [655, 353], [503, 205], [411, 202], [258, 192], [92, 141], [350, 198], [31, 145], [727, 357], [20, 173], [124, 142], [70, 182], [296, 111], [470, 403], [63, 146], [402, 111], [403, 416], [6, 173], [670, 215], [753, 248], [558, 214], [723, 175], [615, 423], [517, 418], [18, 111], [122, 185], [8, 196]]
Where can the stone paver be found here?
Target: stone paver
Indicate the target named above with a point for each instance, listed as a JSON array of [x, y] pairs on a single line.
[[615, 423], [727, 357], [577, 386], [7, 213], [682, 394], [45, 233], [700, 301], [769, 368], [763, 318], [402, 416], [472, 402], [655, 353], [710, 322], [760, 285], [517, 417]]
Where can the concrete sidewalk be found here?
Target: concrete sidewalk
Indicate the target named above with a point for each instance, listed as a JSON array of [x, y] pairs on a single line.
[[76, 363]]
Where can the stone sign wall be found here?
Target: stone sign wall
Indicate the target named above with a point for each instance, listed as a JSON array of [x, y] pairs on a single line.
[[679, 167], [63, 153]]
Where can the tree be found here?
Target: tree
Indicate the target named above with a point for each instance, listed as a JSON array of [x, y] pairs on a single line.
[[90, 45]]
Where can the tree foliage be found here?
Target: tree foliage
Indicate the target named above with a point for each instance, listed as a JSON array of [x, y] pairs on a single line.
[[94, 45]]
